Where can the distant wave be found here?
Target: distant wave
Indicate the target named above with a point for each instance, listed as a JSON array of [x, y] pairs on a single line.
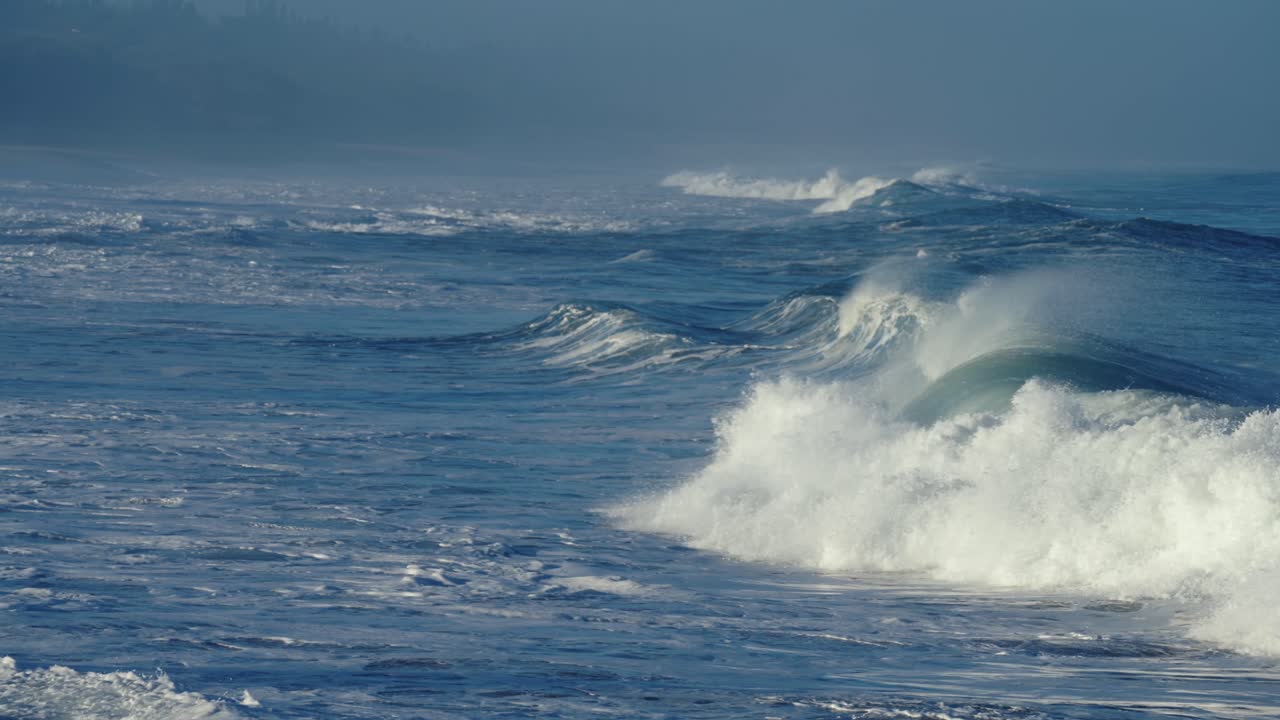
[[431, 220], [1009, 212], [836, 193], [1164, 232]]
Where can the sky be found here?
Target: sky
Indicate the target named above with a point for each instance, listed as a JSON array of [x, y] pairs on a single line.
[[1036, 84]]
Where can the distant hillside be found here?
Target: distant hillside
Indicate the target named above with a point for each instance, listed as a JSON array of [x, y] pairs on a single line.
[[98, 73]]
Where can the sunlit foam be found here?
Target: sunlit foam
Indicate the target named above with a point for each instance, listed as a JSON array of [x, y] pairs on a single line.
[[1122, 492]]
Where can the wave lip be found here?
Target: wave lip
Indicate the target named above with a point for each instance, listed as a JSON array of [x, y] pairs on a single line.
[[989, 382], [836, 193]]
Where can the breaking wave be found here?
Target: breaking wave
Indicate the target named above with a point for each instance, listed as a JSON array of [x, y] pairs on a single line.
[[581, 334], [836, 193], [994, 445], [940, 185], [812, 330]]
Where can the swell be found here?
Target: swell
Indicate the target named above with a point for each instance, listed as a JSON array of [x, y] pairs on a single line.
[[1197, 237], [614, 338], [938, 198], [1015, 211], [931, 357], [814, 330]]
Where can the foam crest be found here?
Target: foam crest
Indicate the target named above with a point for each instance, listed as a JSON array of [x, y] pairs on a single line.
[[1119, 493], [837, 193], [60, 692], [582, 335], [931, 338], [798, 321], [876, 316], [942, 175], [988, 315], [820, 334]]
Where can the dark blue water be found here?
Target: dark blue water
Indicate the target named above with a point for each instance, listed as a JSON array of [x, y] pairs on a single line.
[[950, 447]]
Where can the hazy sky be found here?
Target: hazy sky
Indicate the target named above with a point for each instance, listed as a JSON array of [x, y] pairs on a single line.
[[1035, 84]]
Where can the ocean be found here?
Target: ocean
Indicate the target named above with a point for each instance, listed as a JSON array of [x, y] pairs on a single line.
[[948, 446]]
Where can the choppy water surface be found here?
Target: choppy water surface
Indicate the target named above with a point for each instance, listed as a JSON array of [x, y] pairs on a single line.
[[944, 448]]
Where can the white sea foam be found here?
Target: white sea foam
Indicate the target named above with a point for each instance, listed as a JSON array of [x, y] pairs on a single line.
[[51, 223], [1122, 493], [644, 255], [873, 316], [607, 585], [60, 692], [837, 193], [436, 221], [1091, 492], [943, 175], [924, 339]]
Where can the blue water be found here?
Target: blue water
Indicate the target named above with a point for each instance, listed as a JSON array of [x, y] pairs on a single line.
[[950, 447]]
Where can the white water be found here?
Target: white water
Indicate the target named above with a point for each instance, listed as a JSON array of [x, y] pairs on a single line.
[[60, 692], [837, 193], [1122, 494]]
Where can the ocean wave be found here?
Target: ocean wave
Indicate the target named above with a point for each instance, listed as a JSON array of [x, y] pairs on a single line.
[[943, 175], [1174, 234], [811, 330], [873, 317], [604, 337], [930, 357], [994, 446], [822, 329], [816, 332], [836, 193], [1002, 212], [839, 194]]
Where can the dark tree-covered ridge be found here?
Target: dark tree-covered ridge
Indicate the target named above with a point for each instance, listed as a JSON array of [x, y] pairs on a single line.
[[94, 73]]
